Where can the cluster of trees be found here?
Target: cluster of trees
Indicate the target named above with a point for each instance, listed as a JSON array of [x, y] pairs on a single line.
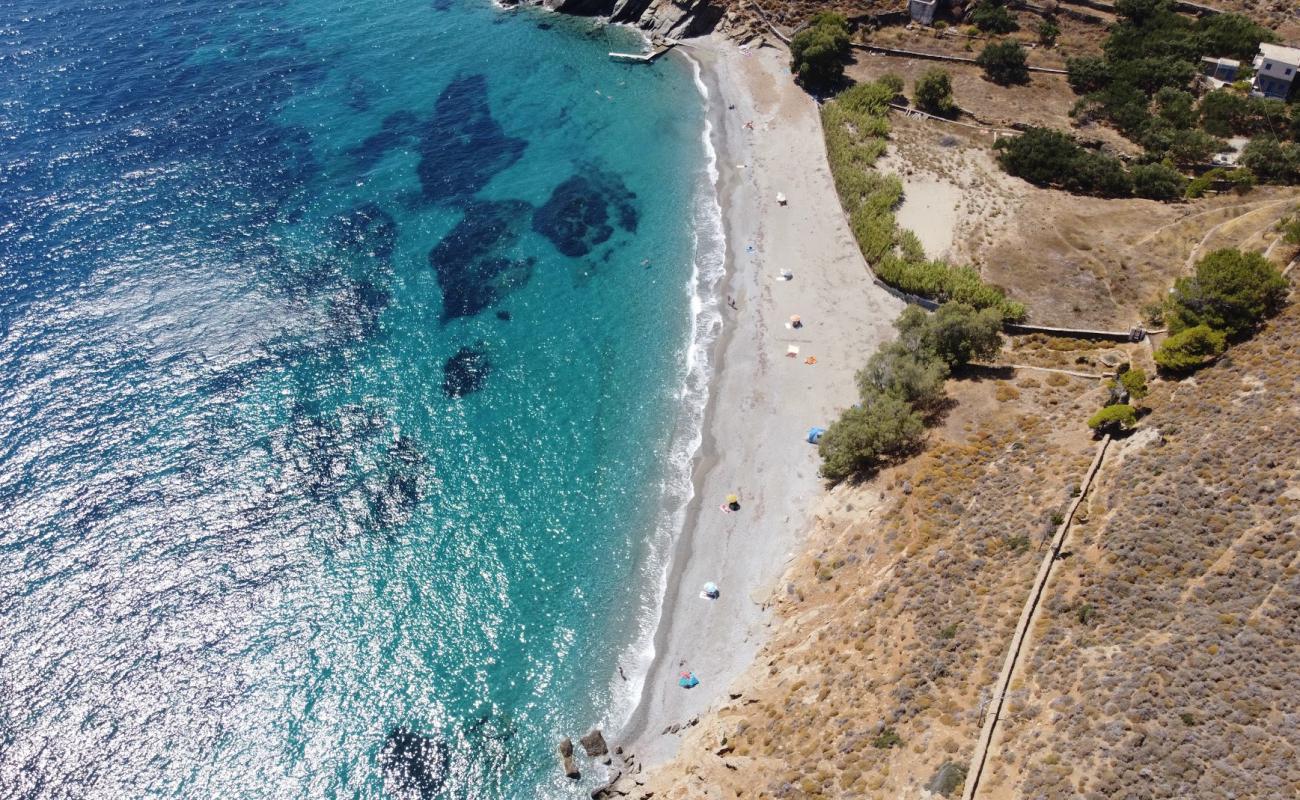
[[818, 52], [902, 386], [1045, 157], [1229, 295], [855, 124], [1272, 161], [1140, 83]]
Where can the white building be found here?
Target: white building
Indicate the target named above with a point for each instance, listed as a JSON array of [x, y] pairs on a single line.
[[1275, 71]]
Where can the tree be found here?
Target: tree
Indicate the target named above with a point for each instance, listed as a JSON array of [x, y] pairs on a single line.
[[1099, 174], [1190, 349], [1158, 182], [1272, 161], [1114, 419], [992, 18], [1231, 291], [1087, 74], [955, 334], [1048, 30], [1232, 35], [1041, 156], [896, 371], [1004, 62], [1176, 107], [863, 436], [933, 92], [819, 51]]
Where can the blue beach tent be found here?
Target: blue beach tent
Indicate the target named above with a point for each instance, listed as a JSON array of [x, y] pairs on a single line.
[[815, 435]]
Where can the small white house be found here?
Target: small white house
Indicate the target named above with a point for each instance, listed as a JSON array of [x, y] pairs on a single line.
[[1275, 71]]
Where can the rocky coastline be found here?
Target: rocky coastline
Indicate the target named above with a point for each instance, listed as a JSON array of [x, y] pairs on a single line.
[[661, 18]]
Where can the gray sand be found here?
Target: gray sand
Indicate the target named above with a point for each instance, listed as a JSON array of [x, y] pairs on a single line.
[[762, 402]]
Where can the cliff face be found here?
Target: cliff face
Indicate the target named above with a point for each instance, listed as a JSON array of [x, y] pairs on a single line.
[[676, 18]]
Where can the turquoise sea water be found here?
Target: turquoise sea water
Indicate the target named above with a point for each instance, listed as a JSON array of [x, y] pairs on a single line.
[[346, 391]]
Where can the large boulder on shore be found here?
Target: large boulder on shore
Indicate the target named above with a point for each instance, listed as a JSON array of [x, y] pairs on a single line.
[[594, 743]]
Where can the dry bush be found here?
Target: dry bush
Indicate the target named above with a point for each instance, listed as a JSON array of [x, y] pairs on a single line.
[[1168, 664]]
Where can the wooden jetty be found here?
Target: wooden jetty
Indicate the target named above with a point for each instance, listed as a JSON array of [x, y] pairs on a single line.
[[657, 48]]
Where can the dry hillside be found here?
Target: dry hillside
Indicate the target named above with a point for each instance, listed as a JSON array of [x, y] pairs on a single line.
[[894, 620], [1073, 260], [1167, 660]]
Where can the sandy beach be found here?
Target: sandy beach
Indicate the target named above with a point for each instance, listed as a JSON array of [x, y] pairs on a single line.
[[768, 138]]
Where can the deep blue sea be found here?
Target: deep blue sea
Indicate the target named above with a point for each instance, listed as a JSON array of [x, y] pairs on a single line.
[[350, 365]]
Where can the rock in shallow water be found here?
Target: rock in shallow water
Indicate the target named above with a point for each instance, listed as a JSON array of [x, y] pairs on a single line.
[[463, 146], [466, 371], [366, 229], [594, 743], [415, 766], [582, 211], [474, 266]]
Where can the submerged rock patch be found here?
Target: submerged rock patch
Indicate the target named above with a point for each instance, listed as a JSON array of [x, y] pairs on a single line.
[[415, 766], [466, 371], [463, 146], [582, 212], [366, 229], [472, 262]]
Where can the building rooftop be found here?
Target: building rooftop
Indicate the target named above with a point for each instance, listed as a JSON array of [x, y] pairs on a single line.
[[1281, 53]]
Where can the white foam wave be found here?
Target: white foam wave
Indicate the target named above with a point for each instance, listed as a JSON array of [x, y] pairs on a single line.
[[708, 270]]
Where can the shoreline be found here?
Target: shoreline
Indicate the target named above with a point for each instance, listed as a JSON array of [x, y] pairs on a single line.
[[760, 403]]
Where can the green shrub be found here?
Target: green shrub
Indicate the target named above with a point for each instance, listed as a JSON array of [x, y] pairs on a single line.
[[1048, 30], [1241, 180], [1224, 112], [1231, 291], [818, 52], [886, 739], [1290, 229], [1135, 383], [1232, 35], [855, 127], [992, 18], [892, 81], [1114, 419], [864, 436], [1190, 349], [1158, 182], [933, 92], [1004, 62]]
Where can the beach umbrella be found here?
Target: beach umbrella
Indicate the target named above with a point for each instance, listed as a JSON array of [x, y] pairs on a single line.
[[710, 589]]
